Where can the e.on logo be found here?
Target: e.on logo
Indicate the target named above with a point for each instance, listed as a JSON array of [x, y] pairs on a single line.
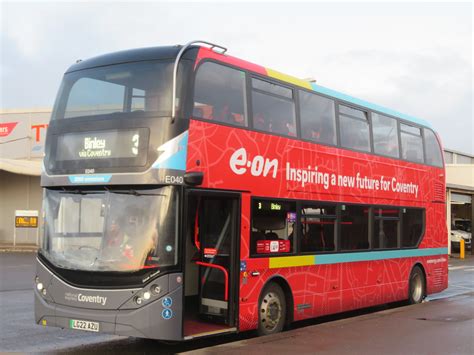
[[239, 163]]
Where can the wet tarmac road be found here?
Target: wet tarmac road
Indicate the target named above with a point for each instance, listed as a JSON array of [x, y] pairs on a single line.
[[18, 332]]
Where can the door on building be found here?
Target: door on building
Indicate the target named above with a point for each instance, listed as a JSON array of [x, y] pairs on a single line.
[[211, 262]]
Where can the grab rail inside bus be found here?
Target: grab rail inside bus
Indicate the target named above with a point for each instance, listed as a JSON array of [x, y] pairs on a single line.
[[175, 69], [226, 275], [197, 243]]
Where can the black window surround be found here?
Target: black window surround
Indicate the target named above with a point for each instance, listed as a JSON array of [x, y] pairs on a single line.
[[372, 217], [295, 100]]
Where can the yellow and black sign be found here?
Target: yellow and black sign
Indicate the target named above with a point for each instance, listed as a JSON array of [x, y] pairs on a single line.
[[26, 222]]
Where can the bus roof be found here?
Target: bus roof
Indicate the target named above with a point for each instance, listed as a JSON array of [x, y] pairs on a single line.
[[170, 52], [131, 55]]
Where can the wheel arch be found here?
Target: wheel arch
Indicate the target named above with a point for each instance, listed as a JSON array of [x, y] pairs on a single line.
[[285, 286], [422, 268]]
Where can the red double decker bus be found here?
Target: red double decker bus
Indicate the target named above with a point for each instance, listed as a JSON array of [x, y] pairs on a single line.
[[249, 199]]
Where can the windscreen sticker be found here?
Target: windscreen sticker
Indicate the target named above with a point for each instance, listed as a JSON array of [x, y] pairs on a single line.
[[88, 179]]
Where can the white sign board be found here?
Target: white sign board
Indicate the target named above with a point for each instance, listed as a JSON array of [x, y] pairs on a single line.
[[26, 213]]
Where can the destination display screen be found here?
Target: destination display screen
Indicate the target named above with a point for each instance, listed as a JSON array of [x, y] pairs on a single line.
[[103, 145]]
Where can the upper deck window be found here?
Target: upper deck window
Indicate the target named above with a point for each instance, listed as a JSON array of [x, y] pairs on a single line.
[[272, 88], [385, 135], [354, 125], [126, 90], [412, 143], [273, 108], [318, 118], [219, 94], [433, 150]]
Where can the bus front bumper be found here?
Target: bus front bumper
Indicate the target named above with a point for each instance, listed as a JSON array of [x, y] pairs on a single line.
[[154, 320]]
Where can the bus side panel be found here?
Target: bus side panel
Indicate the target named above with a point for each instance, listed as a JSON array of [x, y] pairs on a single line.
[[327, 289], [247, 303]]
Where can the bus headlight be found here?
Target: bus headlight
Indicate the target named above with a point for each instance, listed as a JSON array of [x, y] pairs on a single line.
[[138, 300], [146, 295], [39, 286], [155, 289]]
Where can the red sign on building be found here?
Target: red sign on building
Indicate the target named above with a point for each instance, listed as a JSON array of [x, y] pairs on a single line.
[[7, 128]]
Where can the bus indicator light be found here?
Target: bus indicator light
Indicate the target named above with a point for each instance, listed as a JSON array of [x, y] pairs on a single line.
[[156, 289]]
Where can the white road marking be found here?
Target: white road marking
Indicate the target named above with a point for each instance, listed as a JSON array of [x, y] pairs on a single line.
[[457, 267]]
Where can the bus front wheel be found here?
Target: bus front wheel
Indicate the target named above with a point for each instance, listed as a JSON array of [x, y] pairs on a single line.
[[416, 286], [271, 310]]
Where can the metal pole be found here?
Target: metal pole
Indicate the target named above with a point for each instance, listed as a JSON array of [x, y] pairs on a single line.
[[472, 221], [175, 70], [37, 232], [14, 233], [448, 219]]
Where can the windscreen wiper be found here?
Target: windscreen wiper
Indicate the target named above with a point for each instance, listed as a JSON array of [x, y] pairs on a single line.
[[79, 192], [134, 193]]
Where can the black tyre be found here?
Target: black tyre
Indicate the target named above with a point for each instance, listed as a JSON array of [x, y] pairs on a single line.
[[271, 310], [417, 286]]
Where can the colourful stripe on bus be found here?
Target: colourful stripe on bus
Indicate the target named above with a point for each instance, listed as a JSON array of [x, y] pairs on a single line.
[[288, 78], [326, 259], [356, 101], [289, 261]]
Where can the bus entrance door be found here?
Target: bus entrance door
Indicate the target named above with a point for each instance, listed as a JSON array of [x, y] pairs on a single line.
[[214, 232]]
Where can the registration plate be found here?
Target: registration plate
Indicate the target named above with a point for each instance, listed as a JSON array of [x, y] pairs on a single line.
[[84, 325]]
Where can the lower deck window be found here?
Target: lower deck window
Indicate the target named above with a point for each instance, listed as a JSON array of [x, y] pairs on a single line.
[[354, 227], [412, 226], [385, 232], [273, 227], [318, 224], [325, 227]]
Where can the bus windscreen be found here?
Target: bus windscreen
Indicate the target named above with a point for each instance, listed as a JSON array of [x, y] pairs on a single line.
[[111, 230], [125, 90]]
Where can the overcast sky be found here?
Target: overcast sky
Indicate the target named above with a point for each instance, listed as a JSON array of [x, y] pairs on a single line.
[[414, 58]]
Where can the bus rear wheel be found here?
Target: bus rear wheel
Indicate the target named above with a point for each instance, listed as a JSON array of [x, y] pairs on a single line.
[[417, 286], [271, 310]]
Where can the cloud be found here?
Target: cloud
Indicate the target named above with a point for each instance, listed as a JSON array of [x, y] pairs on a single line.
[[414, 58]]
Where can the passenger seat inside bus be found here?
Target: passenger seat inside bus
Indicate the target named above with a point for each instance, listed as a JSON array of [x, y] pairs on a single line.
[[260, 123], [271, 236], [198, 112]]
